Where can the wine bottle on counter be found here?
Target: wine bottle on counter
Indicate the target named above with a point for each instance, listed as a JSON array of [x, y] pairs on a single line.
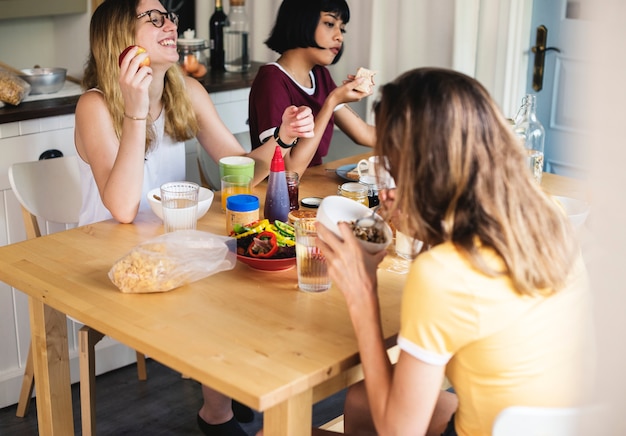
[[216, 36]]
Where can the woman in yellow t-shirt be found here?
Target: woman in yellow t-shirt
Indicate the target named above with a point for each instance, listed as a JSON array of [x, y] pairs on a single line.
[[499, 304]]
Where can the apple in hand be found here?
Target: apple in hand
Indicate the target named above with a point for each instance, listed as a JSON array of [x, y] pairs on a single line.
[[144, 63]]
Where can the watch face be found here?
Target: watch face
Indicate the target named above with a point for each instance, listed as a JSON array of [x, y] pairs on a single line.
[[313, 202]]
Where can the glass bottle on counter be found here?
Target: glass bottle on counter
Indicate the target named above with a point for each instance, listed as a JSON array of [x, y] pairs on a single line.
[[216, 35], [531, 132], [236, 38], [277, 196]]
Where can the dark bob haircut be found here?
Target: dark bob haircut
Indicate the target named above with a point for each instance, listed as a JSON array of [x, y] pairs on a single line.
[[297, 20]]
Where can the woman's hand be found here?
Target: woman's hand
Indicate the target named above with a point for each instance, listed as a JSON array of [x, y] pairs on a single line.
[[297, 122], [134, 82], [351, 268], [346, 92]]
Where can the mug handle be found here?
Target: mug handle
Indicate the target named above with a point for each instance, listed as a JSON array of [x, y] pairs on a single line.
[[365, 171]]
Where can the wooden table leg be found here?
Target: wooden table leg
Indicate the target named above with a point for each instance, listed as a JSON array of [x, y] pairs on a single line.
[[292, 417], [52, 370]]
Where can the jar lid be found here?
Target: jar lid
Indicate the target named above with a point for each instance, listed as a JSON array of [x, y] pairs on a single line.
[[242, 203], [198, 43], [237, 2]]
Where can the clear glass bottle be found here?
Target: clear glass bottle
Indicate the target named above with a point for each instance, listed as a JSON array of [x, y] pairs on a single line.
[[531, 131], [216, 34], [236, 38]]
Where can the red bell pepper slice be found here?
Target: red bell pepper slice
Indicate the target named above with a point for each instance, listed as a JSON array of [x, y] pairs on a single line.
[[263, 246]]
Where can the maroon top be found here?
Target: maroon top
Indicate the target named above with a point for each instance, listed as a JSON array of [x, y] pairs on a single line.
[[273, 91]]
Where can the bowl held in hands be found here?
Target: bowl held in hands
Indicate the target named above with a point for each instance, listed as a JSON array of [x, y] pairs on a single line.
[[334, 209]]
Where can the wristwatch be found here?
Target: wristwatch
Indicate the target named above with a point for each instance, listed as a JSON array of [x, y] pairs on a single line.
[[280, 142]]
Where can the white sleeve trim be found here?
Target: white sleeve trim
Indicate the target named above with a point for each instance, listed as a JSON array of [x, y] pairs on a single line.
[[339, 106], [267, 134], [422, 354]]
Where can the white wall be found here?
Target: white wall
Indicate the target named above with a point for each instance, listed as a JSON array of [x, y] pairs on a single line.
[[61, 41]]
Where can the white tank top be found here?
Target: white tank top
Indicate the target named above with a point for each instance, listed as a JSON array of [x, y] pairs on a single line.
[[165, 162]]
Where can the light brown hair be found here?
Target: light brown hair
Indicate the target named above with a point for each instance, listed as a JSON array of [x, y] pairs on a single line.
[[111, 30], [462, 177]]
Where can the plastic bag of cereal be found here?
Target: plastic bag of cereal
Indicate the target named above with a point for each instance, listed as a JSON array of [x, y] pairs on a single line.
[[173, 260]]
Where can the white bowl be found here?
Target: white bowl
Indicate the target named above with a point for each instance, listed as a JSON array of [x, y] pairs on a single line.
[[205, 198], [335, 209], [576, 210]]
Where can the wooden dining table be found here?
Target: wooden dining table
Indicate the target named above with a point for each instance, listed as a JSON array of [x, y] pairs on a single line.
[[250, 334]]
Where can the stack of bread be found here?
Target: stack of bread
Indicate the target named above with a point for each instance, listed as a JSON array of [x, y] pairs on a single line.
[[13, 89]]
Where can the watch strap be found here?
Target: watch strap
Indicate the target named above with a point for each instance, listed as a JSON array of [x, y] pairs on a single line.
[[280, 142]]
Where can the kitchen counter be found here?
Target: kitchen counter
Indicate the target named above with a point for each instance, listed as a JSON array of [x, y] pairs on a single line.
[[213, 82]]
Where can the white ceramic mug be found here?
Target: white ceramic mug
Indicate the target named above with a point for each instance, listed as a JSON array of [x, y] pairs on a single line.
[[366, 167], [372, 167]]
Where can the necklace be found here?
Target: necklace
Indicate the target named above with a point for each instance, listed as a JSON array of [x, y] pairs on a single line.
[[303, 81]]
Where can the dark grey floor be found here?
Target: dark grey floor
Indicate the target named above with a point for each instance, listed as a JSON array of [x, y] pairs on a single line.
[[165, 404]]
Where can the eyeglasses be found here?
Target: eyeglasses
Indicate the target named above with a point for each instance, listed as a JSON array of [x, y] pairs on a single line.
[[157, 18]]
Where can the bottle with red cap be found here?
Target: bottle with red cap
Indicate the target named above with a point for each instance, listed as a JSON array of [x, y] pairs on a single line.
[[277, 196]]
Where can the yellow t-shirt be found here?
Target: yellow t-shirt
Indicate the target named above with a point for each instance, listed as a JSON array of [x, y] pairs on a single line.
[[500, 348]]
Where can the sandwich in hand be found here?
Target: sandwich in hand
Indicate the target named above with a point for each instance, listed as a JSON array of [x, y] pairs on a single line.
[[368, 83]]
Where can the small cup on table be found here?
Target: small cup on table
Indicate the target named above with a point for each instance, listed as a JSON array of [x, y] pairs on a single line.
[[406, 246], [236, 165], [310, 262], [235, 184], [355, 191], [179, 201], [293, 183], [367, 167], [374, 166]]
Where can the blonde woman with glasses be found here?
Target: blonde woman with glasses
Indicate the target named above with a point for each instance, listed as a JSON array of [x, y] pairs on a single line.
[[132, 124]]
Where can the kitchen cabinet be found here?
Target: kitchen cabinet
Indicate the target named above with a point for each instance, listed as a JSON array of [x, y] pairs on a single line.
[[38, 8]]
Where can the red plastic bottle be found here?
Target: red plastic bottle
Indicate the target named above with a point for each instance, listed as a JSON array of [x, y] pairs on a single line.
[[277, 196]]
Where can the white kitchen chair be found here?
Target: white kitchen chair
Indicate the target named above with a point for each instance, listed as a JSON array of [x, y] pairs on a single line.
[[50, 190], [545, 421]]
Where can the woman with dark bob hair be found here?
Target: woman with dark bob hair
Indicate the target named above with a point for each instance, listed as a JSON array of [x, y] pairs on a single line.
[[499, 304], [308, 35], [297, 21]]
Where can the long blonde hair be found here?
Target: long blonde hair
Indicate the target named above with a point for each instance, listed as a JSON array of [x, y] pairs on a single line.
[[462, 177], [112, 29]]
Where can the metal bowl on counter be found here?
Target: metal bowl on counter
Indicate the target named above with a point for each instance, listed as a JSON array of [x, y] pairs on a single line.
[[44, 80]]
